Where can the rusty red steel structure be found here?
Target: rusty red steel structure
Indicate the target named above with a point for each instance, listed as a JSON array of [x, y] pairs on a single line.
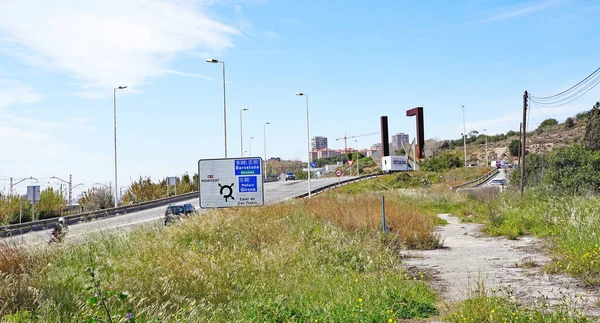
[[420, 134]]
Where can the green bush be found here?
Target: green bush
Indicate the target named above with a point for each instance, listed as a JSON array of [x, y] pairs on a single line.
[[442, 162], [592, 129], [513, 147], [548, 123], [569, 122]]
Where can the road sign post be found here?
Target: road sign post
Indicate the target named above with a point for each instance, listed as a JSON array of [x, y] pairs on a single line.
[[33, 195], [171, 181], [229, 182], [338, 173]]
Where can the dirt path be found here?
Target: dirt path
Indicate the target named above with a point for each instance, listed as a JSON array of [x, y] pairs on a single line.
[[469, 257]]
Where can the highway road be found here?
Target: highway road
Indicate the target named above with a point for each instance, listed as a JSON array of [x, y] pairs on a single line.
[[274, 192], [501, 175]]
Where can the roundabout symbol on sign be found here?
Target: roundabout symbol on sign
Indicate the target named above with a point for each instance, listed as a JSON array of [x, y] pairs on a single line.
[[338, 172]]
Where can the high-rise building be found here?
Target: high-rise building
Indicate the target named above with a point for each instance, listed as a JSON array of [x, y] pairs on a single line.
[[398, 139], [318, 143]]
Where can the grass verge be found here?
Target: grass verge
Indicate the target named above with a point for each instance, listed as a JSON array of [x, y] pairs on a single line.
[[294, 262], [501, 306]]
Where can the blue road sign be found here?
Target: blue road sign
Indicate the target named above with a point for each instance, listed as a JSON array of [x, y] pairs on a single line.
[[313, 164]]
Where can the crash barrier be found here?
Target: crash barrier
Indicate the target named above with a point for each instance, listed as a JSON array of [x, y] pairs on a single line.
[[338, 184], [45, 224], [22, 228], [478, 181]]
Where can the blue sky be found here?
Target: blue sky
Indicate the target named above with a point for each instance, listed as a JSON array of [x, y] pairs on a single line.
[[357, 60]]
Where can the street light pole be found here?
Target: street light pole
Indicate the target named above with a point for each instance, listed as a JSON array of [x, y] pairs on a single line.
[[242, 133], [214, 61], [265, 145], [307, 141], [115, 127], [357, 157], [486, 150], [464, 136], [250, 144]]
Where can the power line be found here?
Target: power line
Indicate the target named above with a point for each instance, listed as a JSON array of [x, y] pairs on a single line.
[[574, 96], [569, 89]]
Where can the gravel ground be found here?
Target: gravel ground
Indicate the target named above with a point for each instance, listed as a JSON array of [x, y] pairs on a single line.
[[469, 257]]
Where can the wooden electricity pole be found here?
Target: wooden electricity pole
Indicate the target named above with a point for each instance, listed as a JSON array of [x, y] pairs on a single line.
[[523, 137]]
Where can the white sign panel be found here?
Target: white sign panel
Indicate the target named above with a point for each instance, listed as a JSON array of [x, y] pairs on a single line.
[[231, 182], [394, 163], [33, 194], [171, 180]]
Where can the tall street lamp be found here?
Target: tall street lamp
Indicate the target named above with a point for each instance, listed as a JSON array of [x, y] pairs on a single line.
[[250, 144], [357, 158], [265, 145], [464, 136], [242, 133], [486, 150], [215, 61], [115, 124], [307, 140]]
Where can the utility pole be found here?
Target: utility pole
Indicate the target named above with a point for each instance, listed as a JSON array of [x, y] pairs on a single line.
[[523, 138], [464, 136], [486, 149], [11, 185], [519, 151], [70, 189]]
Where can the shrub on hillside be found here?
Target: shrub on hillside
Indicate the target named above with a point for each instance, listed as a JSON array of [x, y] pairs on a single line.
[[548, 123], [443, 161], [513, 147], [511, 133], [569, 122], [592, 129]]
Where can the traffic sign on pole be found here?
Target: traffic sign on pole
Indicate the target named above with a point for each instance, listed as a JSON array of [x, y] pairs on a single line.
[[228, 182], [350, 162], [338, 172], [313, 164]]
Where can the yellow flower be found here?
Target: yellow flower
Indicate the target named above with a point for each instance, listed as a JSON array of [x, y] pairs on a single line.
[[360, 300], [390, 320]]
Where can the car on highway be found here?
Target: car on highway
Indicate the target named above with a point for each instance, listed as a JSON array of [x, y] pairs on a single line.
[[498, 182], [173, 213], [189, 209], [290, 176]]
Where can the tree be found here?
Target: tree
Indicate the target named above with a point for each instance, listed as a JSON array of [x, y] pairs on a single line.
[[432, 147], [591, 138], [97, 198], [548, 123], [513, 147], [511, 133], [569, 122], [443, 161], [50, 204]]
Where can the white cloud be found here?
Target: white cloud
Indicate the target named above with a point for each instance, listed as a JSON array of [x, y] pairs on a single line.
[[522, 9], [103, 43], [271, 34], [14, 94]]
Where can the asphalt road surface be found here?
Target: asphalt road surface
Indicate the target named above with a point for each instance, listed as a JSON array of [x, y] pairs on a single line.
[[274, 192]]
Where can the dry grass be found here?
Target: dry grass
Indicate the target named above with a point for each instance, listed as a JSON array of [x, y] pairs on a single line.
[[359, 212]]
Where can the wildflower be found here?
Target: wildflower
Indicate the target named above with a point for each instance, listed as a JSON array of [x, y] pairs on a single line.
[[390, 320], [360, 300], [129, 315]]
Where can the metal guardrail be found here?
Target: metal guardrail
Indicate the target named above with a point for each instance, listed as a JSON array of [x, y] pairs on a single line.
[[478, 181], [45, 224], [22, 228], [338, 184]]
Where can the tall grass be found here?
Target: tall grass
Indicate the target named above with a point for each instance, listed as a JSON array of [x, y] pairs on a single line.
[[571, 224], [293, 262], [500, 305]]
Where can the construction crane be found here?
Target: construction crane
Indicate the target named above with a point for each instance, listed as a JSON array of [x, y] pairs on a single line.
[[345, 137]]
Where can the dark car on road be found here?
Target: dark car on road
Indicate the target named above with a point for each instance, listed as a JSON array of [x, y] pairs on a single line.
[[173, 213], [189, 209], [290, 176]]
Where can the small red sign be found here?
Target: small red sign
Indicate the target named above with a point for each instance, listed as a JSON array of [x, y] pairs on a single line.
[[338, 172], [350, 162]]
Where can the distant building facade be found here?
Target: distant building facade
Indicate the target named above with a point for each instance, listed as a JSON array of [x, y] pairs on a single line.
[[318, 143], [398, 139]]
